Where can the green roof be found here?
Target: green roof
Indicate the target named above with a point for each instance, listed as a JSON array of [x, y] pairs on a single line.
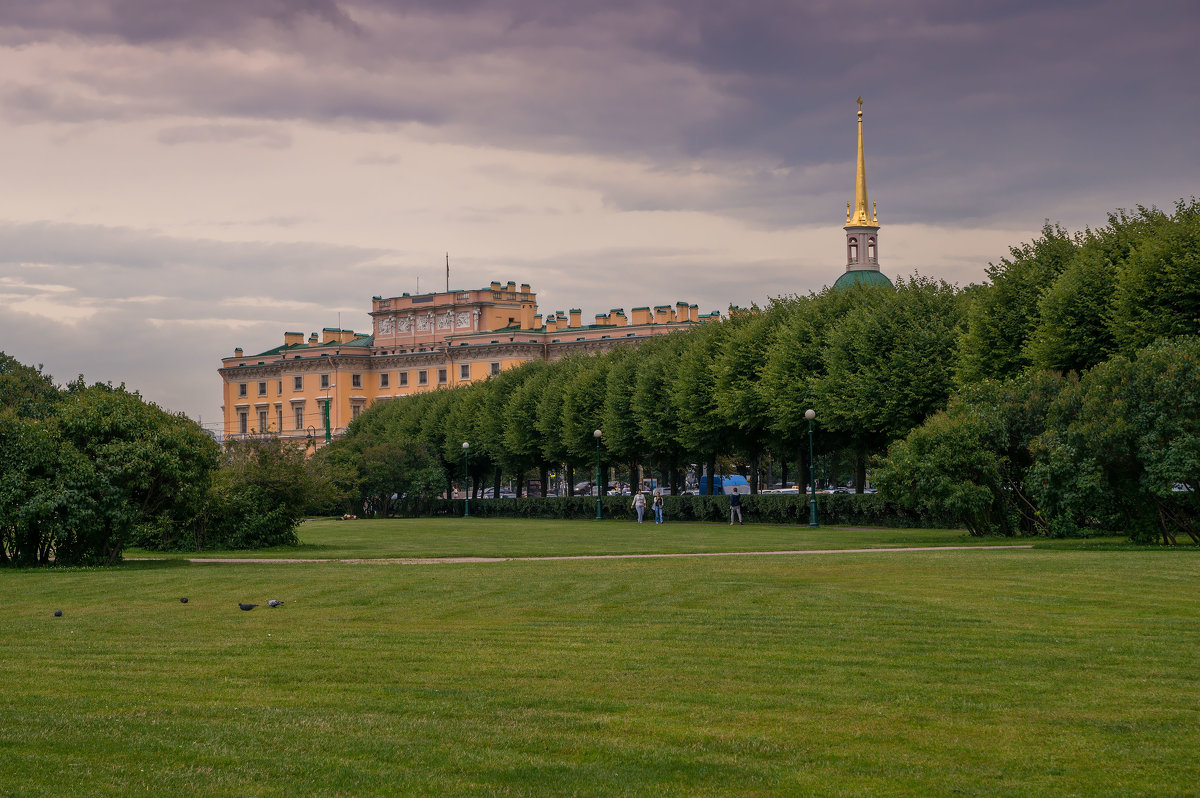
[[862, 277]]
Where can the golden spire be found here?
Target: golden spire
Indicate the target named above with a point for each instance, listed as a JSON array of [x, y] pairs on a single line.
[[860, 216]]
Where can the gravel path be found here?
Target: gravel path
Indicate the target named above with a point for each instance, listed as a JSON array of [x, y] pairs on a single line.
[[450, 560]]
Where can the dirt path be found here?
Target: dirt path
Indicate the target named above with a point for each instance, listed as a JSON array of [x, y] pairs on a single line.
[[451, 560]]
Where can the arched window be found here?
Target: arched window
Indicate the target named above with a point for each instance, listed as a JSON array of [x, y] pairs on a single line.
[[853, 250], [872, 255]]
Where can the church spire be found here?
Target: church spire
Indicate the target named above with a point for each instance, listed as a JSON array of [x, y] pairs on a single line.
[[860, 215]]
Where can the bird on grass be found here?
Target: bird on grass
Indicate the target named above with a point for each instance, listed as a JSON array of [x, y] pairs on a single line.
[[183, 600], [58, 613], [274, 603], [247, 607]]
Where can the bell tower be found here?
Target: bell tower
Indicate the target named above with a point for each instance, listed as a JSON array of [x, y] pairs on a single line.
[[862, 223]]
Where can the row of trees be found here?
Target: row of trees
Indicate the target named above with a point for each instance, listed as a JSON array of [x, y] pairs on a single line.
[[873, 360], [992, 375], [86, 470]]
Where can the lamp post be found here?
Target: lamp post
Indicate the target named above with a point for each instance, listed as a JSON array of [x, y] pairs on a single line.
[[596, 435], [811, 414], [327, 430], [466, 483]]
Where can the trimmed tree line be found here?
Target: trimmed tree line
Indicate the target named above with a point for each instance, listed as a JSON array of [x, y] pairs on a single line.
[[1058, 398]]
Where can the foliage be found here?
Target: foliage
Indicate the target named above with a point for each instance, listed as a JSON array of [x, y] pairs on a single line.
[[1122, 450], [1003, 316], [26, 390], [970, 462]]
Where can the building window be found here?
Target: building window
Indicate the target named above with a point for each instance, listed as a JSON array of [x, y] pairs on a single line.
[[262, 389], [355, 411], [871, 255], [324, 381], [441, 376], [495, 369], [383, 380], [297, 383], [279, 419], [422, 377], [279, 387], [853, 251], [464, 371], [355, 380], [241, 389], [243, 420], [262, 420], [298, 410], [403, 379]]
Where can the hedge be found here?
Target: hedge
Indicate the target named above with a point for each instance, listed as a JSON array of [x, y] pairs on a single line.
[[834, 509]]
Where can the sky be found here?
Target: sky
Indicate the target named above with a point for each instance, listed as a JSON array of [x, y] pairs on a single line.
[[182, 177]]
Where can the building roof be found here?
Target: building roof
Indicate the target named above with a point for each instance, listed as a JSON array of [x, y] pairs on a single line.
[[862, 277]]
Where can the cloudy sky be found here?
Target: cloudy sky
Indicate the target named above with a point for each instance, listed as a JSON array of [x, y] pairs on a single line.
[[180, 177]]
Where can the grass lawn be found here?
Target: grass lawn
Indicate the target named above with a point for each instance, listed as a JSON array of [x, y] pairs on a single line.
[[1064, 671], [512, 537]]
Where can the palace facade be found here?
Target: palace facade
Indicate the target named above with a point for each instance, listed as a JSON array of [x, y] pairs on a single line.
[[311, 388]]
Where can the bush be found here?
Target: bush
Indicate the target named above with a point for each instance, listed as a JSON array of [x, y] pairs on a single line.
[[836, 509]]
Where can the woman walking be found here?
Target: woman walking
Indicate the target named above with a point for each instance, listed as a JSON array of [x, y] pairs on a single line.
[[658, 507], [639, 504]]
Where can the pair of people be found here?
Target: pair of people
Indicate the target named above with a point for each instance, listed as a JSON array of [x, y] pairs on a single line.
[[639, 504]]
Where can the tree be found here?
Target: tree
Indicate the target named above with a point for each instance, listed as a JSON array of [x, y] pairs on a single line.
[[889, 364], [972, 461], [1118, 449], [1158, 285], [150, 469], [703, 432], [1003, 315], [26, 390]]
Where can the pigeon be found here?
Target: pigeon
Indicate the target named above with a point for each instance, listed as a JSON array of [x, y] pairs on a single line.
[[58, 613], [183, 600], [274, 603], [247, 607]]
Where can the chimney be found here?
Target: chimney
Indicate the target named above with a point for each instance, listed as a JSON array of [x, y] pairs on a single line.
[[495, 285], [312, 340], [693, 313], [576, 317], [525, 288], [663, 315], [237, 351], [329, 335], [641, 316], [293, 338]]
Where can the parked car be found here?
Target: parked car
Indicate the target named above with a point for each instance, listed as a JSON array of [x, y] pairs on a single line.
[[505, 493]]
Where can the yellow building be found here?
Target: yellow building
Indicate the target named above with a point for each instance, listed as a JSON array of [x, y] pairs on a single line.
[[418, 343]]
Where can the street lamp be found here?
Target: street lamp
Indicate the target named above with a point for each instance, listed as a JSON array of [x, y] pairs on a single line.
[[811, 414], [327, 431], [466, 483], [596, 435]]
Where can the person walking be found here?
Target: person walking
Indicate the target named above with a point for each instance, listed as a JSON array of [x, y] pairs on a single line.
[[639, 504], [735, 507], [658, 507]]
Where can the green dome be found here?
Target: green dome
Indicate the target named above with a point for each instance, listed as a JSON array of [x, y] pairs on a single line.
[[862, 277]]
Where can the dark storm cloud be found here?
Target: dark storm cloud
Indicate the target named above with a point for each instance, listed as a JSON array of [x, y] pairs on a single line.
[[972, 110]]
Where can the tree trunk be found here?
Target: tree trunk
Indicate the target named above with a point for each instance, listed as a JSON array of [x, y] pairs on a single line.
[[754, 476], [544, 476], [711, 467], [860, 472], [570, 479]]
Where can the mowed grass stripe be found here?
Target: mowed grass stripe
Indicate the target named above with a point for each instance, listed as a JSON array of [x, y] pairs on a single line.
[[1010, 674]]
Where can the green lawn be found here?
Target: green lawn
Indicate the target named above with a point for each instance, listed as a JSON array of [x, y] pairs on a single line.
[[508, 537], [1064, 671]]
